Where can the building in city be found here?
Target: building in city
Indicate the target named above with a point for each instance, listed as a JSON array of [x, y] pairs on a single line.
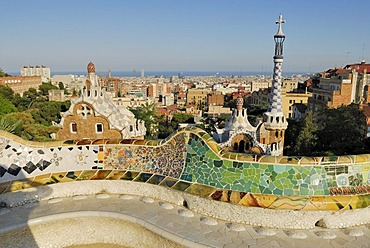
[[20, 84], [93, 115], [290, 98], [197, 97], [336, 87], [299, 111], [42, 71], [56, 95]]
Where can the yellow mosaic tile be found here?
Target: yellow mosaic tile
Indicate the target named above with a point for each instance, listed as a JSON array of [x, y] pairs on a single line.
[[338, 202], [234, 197], [248, 200], [265, 200], [101, 174], [70, 176], [115, 174], [360, 201], [200, 190], [316, 203], [19, 184], [56, 177], [3, 187], [289, 202], [86, 175], [41, 180]]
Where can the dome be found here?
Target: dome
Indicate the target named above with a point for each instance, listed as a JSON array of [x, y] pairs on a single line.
[[91, 67]]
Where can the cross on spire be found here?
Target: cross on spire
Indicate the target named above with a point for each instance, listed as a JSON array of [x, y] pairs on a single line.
[[280, 22]]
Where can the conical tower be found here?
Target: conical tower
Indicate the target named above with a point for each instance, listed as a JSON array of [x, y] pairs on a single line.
[[274, 119]]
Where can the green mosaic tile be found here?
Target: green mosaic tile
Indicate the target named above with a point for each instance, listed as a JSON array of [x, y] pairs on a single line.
[[129, 175], [143, 177], [156, 179], [181, 186]]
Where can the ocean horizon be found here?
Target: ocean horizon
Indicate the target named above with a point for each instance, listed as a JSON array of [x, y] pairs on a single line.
[[171, 73]]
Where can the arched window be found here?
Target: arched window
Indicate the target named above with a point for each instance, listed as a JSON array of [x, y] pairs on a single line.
[[73, 127], [277, 134], [99, 128]]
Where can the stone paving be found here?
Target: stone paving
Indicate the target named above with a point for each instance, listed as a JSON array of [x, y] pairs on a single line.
[[181, 225]]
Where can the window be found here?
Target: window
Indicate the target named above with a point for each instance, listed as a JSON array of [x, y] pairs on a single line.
[[73, 127], [99, 127]]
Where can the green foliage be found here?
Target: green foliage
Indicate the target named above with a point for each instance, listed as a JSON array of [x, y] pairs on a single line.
[[38, 132], [6, 125], [4, 74], [47, 112], [61, 86], [19, 119], [291, 135], [342, 130], [6, 92], [45, 87], [148, 113], [307, 138], [6, 106], [338, 131], [182, 118]]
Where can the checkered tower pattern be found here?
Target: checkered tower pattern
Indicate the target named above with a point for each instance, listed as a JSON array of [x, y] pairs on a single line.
[[275, 97], [274, 118]]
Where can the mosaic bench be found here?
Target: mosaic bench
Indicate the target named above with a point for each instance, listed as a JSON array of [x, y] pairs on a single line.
[[191, 161]]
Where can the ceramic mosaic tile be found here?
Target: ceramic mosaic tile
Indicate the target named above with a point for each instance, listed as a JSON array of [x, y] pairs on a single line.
[[191, 161]]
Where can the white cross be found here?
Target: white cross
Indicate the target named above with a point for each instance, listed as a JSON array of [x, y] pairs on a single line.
[[280, 22]]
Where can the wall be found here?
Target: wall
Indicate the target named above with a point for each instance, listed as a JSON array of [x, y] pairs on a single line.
[[191, 161]]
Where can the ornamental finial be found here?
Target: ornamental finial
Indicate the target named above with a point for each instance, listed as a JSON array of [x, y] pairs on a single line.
[[280, 22]]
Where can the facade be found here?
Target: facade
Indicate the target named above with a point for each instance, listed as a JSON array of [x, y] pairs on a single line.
[[258, 85], [299, 111], [267, 137], [215, 100], [20, 84], [335, 88], [42, 71], [291, 98], [197, 96], [93, 115], [261, 97], [290, 85], [56, 95]]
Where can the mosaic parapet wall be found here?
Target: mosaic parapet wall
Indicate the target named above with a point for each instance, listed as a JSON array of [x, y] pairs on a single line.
[[192, 162]]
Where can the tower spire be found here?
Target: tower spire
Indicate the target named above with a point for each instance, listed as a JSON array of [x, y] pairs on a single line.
[[274, 117]]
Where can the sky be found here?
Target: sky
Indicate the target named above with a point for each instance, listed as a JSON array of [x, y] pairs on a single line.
[[182, 35]]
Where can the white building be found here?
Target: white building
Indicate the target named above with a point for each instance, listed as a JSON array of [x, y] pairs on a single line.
[[42, 71]]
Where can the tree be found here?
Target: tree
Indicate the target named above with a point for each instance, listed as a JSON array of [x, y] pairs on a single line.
[[4, 74], [6, 125], [291, 135], [148, 113], [342, 131], [38, 132], [307, 138], [18, 120], [61, 86], [6, 106], [7, 92], [46, 113], [45, 87], [182, 118]]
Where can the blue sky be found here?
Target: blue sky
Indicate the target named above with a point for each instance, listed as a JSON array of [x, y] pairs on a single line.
[[181, 35]]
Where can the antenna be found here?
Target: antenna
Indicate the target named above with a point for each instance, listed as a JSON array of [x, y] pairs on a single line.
[[363, 51]]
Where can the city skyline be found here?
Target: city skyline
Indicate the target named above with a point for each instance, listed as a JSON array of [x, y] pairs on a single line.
[[181, 35]]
